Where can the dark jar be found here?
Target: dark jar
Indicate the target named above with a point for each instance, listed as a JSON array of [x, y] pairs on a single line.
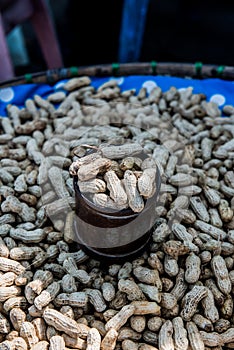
[[110, 235]]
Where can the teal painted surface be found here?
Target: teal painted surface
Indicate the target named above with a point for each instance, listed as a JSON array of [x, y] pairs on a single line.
[[17, 47]]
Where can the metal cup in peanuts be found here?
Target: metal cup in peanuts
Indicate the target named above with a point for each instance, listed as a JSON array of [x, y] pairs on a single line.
[[179, 292]]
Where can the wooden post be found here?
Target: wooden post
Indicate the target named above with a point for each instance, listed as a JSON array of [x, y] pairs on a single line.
[[46, 35], [6, 68]]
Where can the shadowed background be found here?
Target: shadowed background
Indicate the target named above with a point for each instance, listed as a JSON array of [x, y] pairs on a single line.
[[175, 30]]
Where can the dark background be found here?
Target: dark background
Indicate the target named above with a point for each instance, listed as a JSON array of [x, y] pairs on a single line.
[[176, 31]]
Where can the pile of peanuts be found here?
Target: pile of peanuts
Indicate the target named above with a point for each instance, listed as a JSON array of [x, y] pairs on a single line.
[[129, 180], [177, 295]]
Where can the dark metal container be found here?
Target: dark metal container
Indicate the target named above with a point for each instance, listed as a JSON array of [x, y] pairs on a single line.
[[113, 235]]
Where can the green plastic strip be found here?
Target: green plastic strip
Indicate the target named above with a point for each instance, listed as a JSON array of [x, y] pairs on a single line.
[[115, 68], [220, 70], [198, 68], [28, 78], [154, 67], [74, 71]]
